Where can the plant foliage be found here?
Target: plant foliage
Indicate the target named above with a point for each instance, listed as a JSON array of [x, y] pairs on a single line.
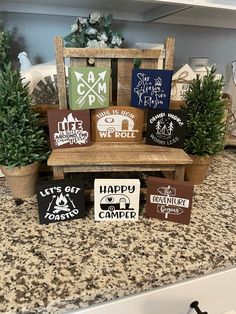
[[22, 141], [93, 32], [205, 111], [4, 47]]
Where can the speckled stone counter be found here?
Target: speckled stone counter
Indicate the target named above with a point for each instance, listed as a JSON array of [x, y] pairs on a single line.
[[64, 266]]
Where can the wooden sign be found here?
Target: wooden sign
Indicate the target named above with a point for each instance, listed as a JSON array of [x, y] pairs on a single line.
[[117, 124], [151, 88], [88, 87], [60, 200], [69, 128], [116, 199], [181, 81], [166, 128], [169, 200]]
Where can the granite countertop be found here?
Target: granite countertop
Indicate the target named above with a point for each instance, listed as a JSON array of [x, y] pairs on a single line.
[[64, 266]]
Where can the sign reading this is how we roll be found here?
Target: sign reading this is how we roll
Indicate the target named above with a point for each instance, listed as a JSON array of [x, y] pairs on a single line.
[[88, 87]]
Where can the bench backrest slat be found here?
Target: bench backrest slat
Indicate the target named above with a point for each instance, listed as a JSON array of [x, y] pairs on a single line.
[[119, 60]]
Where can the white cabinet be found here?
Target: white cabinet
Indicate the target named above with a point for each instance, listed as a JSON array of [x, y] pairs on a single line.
[[219, 13], [215, 294]]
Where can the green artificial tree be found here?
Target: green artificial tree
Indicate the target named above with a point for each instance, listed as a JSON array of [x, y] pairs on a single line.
[[205, 109], [206, 124], [4, 47], [22, 141]]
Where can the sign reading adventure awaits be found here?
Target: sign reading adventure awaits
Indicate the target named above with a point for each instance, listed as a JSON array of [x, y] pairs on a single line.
[[88, 87], [116, 199], [166, 128], [169, 200], [151, 88], [69, 128], [60, 200], [117, 124]]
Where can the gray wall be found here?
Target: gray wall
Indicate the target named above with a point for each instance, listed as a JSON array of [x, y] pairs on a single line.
[[34, 33]]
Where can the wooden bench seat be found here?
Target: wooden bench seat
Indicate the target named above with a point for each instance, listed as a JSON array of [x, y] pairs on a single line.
[[115, 157], [123, 157]]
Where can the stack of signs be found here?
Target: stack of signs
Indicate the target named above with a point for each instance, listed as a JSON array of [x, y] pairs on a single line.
[[60, 200], [166, 128], [69, 128], [151, 88], [117, 124], [169, 200], [116, 199], [88, 87], [181, 81]]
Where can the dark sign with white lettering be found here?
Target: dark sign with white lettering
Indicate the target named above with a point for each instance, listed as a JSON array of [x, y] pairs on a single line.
[[60, 200], [166, 128], [69, 128], [169, 200], [151, 88]]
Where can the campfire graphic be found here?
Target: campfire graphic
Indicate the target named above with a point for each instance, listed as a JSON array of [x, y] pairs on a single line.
[[61, 203]]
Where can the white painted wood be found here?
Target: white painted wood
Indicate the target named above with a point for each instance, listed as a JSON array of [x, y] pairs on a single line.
[[215, 294], [163, 11], [116, 199], [212, 12]]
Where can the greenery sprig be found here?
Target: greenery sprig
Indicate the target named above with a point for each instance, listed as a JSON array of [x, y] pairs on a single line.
[[93, 32]]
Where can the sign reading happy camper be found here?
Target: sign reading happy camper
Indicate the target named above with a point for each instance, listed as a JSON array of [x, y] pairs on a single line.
[[69, 128], [169, 200], [151, 88], [60, 200], [166, 128], [117, 124], [116, 199], [88, 87]]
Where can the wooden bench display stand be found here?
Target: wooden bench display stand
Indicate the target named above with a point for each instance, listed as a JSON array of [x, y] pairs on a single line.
[[112, 157]]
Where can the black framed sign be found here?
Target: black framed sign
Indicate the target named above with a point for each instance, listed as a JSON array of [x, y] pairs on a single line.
[[166, 128], [60, 200]]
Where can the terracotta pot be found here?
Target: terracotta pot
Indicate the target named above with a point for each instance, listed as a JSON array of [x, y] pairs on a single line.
[[22, 180], [197, 172]]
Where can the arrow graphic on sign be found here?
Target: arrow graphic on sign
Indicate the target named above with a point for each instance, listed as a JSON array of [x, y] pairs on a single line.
[[81, 99]]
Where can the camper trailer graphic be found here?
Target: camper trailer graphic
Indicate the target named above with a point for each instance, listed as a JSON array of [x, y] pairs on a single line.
[[115, 202], [115, 123]]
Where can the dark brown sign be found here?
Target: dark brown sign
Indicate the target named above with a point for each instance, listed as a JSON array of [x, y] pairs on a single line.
[[117, 124], [169, 200], [69, 128]]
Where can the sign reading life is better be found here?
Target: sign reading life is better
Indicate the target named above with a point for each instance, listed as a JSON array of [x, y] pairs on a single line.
[[151, 88], [116, 199], [60, 200], [166, 128], [88, 87], [69, 128], [169, 200], [117, 124]]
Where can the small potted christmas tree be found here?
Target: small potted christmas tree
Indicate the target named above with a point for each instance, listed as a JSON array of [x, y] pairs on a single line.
[[206, 123], [22, 141]]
